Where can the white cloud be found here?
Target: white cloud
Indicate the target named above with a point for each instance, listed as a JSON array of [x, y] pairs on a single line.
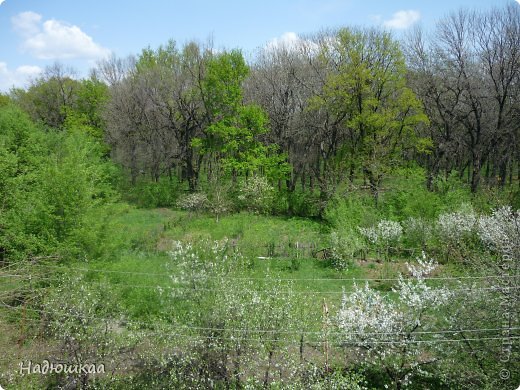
[[403, 19], [26, 23], [53, 39], [18, 77], [291, 41], [1, 1], [28, 70], [287, 40]]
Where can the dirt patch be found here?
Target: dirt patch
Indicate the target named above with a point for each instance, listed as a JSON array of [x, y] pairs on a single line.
[[164, 211], [164, 244]]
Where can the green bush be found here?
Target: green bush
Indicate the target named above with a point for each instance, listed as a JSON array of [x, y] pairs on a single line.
[[148, 194], [345, 244], [417, 232], [50, 182], [280, 202], [452, 190], [514, 197], [303, 204], [352, 211], [409, 197]]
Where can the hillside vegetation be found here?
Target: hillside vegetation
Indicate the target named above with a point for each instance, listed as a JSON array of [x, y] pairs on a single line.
[[341, 213]]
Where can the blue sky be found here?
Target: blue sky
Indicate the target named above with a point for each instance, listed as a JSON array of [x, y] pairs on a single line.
[[36, 33]]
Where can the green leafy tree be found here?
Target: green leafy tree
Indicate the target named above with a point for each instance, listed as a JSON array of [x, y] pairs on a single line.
[[232, 140], [21, 155], [366, 92], [4, 99], [50, 183], [50, 97], [92, 95]]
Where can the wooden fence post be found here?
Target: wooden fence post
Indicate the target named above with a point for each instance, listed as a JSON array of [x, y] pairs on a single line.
[[325, 331]]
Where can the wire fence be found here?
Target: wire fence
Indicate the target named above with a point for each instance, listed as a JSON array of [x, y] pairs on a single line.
[[169, 274], [245, 334], [17, 280]]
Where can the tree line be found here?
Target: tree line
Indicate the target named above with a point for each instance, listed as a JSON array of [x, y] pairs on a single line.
[[347, 105]]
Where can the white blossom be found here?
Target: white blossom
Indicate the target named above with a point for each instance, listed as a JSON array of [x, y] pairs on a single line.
[[193, 202], [370, 234], [501, 230], [454, 226], [344, 246], [384, 233], [389, 230], [256, 194], [386, 326]]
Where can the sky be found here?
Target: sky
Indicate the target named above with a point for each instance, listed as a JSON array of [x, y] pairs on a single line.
[[78, 33]]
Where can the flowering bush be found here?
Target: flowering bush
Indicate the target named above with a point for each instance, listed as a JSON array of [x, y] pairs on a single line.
[[385, 232], [87, 326], [383, 235], [367, 311], [241, 308], [336, 380], [389, 231], [256, 195], [195, 263], [236, 309], [370, 234], [501, 230], [455, 226], [193, 202], [219, 201], [386, 328]]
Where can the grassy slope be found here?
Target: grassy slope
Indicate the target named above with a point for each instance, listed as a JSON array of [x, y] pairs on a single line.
[[144, 238], [142, 264], [148, 236]]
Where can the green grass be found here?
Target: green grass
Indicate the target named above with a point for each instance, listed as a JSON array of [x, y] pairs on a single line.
[[142, 267], [137, 277], [136, 272], [143, 264], [251, 229]]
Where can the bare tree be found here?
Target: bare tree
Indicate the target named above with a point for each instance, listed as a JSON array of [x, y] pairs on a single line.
[[467, 76], [279, 84], [157, 109]]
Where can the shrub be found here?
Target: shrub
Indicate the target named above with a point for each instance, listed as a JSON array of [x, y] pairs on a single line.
[[87, 328], [256, 195], [417, 231], [334, 379], [451, 189], [501, 231], [344, 246], [455, 226], [196, 201], [383, 236], [412, 201], [148, 194], [303, 204], [385, 233], [51, 183], [382, 328], [352, 210]]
